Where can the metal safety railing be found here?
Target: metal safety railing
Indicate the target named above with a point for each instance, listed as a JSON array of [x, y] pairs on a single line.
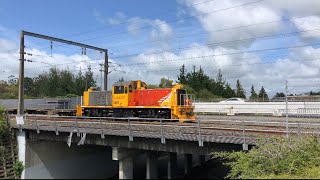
[[223, 130]]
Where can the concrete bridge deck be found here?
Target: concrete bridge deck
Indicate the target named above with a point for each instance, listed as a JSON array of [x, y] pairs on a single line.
[[129, 137], [208, 129]]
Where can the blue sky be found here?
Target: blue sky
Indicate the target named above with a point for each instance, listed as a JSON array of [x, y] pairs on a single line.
[[133, 31], [63, 18]]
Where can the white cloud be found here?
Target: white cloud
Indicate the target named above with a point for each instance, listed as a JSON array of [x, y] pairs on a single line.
[[119, 18], [295, 8], [306, 24], [241, 16], [156, 29], [6, 45], [161, 30]]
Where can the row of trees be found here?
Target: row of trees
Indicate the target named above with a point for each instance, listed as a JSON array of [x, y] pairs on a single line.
[[55, 83], [205, 87]]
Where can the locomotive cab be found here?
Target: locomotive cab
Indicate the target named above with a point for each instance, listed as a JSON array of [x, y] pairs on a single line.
[[122, 92]]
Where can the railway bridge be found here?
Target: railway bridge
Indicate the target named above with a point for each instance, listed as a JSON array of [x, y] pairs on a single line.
[[55, 146]]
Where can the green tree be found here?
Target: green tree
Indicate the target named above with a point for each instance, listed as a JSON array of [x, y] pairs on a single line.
[[189, 89], [182, 76], [121, 79], [66, 82], [220, 84], [152, 86], [228, 92], [79, 84], [240, 91], [205, 94], [29, 87], [254, 95], [90, 82], [281, 94], [263, 95], [164, 83]]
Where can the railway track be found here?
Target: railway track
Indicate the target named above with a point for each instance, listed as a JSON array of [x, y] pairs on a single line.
[[206, 125]]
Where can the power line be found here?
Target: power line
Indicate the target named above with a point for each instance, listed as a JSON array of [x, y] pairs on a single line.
[[238, 65], [223, 42], [225, 29], [104, 27], [124, 22], [171, 21], [206, 56], [200, 3], [217, 30], [179, 19], [224, 54], [281, 35], [200, 57]]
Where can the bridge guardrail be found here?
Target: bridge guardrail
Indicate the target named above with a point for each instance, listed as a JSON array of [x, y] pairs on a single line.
[[203, 130]]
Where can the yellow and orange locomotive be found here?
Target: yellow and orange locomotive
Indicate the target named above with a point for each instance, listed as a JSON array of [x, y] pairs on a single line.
[[134, 99]]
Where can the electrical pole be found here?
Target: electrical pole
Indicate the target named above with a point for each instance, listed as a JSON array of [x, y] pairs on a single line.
[[287, 127], [21, 77], [21, 70], [101, 69], [105, 70]]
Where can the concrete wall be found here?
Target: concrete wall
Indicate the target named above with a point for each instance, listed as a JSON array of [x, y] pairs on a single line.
[[274, 108], [51, 160], [38, 103]]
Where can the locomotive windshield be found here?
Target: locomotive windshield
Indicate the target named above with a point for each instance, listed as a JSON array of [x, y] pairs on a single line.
[[118, 89]]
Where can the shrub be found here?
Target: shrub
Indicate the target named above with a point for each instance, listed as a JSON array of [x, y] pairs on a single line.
[[278, 158]]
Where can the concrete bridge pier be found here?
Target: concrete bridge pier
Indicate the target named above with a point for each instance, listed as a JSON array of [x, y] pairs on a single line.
[[21, 139], [187, 163], [202, 159], [172, 165], [125, 158], [152, 165], [126, 168]]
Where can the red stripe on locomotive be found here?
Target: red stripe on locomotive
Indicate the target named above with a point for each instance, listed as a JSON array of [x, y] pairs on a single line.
[[149, 97]]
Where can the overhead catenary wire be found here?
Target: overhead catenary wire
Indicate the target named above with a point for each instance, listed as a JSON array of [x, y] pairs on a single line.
[[218, 30], [200, 46], [178, 19], [225, 54], [170, 21], [281, 35], [234, 65], [205, 56]]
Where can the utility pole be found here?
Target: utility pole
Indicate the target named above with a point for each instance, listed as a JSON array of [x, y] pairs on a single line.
[[106, 70], [287, 127], [21, 77], [101, 70]]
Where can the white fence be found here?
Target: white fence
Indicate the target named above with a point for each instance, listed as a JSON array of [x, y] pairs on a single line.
[[271, 108]]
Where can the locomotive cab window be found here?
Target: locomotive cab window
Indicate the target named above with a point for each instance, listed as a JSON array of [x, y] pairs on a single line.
[[130, 88], [125, 90], [118, 89], [134, 85]]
